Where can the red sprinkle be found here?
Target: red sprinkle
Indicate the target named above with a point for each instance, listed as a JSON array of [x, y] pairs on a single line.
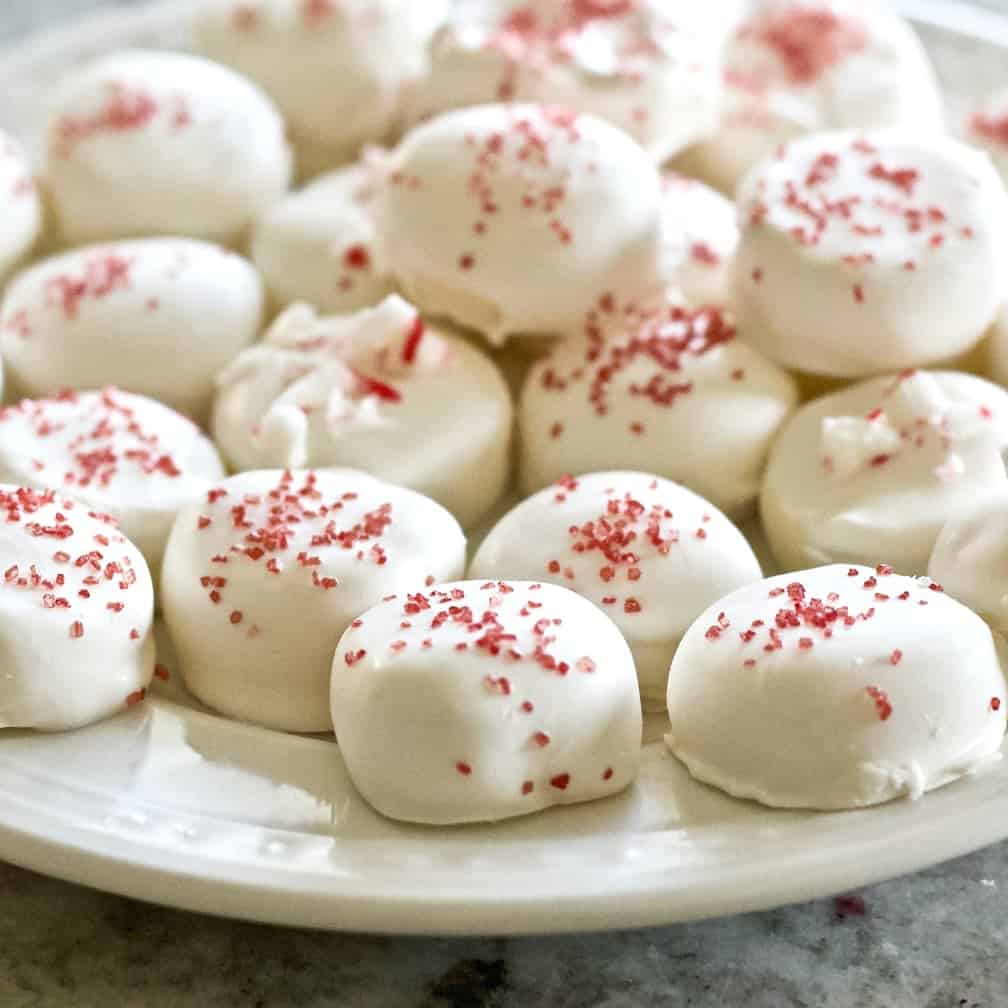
[[882, 705]]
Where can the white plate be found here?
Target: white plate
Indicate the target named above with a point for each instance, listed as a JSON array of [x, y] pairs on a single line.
[[173, 804]]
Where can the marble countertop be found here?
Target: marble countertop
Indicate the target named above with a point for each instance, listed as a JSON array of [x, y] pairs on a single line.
[[935, 940]]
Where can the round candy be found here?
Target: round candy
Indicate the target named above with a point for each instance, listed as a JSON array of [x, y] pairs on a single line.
[[263, 575], [970, 559], [988, 129], [122, 454], [318, 245], [378, 391], [480, 701], [514, 219], [157, 316], [20, 206], [650, 554], [336, 68], [836, 688], [650, 70], [147, 143], [797, 68], [76, 614], [667, 390], [701, 234], [873, 472], [866, 253]]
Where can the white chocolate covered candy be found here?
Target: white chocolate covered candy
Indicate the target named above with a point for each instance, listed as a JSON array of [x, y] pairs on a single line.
[[700, 234], [20, 206], [987, 128], [867, 253], [651, 69], [379, 391], [795, 68], [263, 575], [76, 614], [651, 554], [970, 559], [318, 245], [873, 472], [157, 316], [515, 218], [479, 701], [667, 390], [148, 143], [122, 454], [338, 69], [836, 688]]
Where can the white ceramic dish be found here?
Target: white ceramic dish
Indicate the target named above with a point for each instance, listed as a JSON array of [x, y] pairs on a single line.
[[173, 804]]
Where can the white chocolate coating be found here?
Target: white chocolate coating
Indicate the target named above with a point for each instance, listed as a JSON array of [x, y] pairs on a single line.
[[792, 69], [263, 575], [148, 143], [125, 455], [479, 701], [20, 206], [378, 391], [157, 316], [970, 559], [867, 253], [871, 473], [76, 614], [318, 245], [651, 554], [987, 129], [514, 219], [337, 69], [836, 688], [652, 71], [669, 390], [700, 232]]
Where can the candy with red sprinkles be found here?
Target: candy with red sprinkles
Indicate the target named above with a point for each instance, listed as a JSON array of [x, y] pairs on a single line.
[[304, 555], [628, 542], [863, 239], [840, 476], [370, 390], [72, 612], [631, 383], [133, 105], [522, 170], [810, 695], [546, 695]]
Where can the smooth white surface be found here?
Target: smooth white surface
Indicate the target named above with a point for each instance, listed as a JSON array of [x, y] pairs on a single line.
[[863, 252], [171, 804], [484, 700], [838, 687], [155, 316], [471, 198], [147, 143]]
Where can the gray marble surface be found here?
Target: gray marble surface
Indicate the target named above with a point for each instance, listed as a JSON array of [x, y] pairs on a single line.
[[936, 940]]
